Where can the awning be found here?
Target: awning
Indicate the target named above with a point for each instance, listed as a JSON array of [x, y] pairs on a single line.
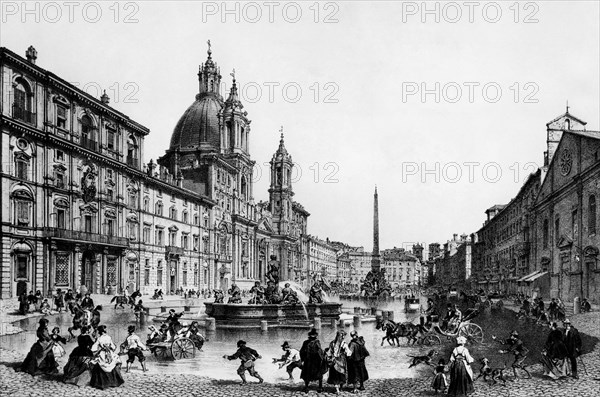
[[528, 276], [535, 277]]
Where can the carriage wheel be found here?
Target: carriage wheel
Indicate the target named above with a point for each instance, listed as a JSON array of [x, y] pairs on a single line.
[[183, 348], [160, 352], [472, 332], [429, 340]]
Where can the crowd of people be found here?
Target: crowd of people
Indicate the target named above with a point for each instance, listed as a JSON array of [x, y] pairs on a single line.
[[343, 361]]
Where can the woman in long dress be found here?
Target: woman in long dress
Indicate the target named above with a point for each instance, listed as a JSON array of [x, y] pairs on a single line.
[[337, 356], [461, 374], [107, 370], [77, 371], [40, 359]]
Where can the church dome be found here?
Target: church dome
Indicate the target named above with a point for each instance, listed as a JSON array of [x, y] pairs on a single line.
[[199, 124]]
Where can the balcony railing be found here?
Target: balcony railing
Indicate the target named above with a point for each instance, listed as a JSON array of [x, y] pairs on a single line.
[[89, 144], [133, 162], [72, 235], [173, 250], [24, 115]]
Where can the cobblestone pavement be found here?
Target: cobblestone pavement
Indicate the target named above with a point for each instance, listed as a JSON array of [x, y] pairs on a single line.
[[139, 384]]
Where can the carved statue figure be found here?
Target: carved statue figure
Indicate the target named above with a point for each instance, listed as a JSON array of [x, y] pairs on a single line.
[[219, 296]]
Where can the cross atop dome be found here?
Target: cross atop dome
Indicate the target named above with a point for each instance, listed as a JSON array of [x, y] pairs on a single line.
[[209, 75]]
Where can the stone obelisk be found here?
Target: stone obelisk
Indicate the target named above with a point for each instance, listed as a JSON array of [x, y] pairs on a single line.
[[376, 260]]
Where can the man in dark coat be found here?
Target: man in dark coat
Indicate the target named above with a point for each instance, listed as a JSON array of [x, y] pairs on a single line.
[[573, 344], [87, 303], [247, 356], [314, 364], [554, 352], [357, 371]]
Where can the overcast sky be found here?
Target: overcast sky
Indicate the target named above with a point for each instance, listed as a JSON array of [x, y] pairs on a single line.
[[502, 72]]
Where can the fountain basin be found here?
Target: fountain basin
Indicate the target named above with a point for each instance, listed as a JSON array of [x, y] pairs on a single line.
[[252, 315]]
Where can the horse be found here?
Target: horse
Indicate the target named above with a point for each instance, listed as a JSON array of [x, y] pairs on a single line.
[[394, 331], [389, 327], [80, 319], [120, 299]]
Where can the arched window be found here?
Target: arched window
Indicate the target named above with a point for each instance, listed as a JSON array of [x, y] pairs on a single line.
[[592, 215], [22, 166], [159, 208], [132, 158], [22, 101], [87, 133], [545, 234]]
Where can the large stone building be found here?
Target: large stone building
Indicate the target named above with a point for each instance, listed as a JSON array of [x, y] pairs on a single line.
[[566, 236], [453, 265], [80, 207], [402, 268], [501, 250], [545, 240]]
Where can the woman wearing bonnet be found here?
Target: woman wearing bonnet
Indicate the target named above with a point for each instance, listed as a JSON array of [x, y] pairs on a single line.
[[461, 374]]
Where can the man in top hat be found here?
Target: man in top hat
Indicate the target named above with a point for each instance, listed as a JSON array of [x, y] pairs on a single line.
[[290, 359], [516, 347], [573, 344], [314, 364], [247, 356]]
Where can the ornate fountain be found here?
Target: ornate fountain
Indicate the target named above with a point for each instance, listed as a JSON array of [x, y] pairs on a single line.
[[279, 307]]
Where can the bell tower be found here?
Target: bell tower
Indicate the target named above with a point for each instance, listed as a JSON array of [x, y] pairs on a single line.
[[280, 191]]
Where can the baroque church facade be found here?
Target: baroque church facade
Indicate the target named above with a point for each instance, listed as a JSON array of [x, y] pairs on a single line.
[[81, 209]]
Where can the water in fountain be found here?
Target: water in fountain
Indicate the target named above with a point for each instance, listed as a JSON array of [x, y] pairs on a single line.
[[297, 288]]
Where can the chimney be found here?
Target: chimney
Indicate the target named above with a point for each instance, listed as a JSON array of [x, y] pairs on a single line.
[[105, 98], [31, 54]]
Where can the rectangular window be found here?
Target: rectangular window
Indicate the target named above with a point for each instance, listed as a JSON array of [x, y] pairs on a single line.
[[22, 168], [132, 230], [196, 243], [62, 268], [159, 274], [22, 213], [147, 235], [61, 116], [110, 140], [87, 219], [60, 180], [109, 173], [60, 155], [111, 272], [147, 276], [22, 261], [60, 218], [159, 237], [184, 241], [110, 227], [109, 194], [185, 278], [574, 224]]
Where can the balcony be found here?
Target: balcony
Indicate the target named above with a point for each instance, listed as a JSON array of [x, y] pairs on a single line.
[[89, 144], [72, 235], [172, 250], [24, 115], [133, 162]]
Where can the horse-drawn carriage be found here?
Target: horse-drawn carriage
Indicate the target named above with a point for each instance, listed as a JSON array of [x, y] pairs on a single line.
[[471, 331], [428, 331]]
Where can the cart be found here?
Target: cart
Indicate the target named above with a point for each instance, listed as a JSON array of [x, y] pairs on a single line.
[[179, 348]]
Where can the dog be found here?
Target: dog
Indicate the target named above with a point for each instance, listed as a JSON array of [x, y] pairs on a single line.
[[494, 373], [416, 360]]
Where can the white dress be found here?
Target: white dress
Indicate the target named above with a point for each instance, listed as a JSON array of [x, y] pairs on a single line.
[[106, 354]]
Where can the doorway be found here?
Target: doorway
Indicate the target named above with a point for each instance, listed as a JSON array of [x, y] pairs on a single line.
[[88, 271]]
